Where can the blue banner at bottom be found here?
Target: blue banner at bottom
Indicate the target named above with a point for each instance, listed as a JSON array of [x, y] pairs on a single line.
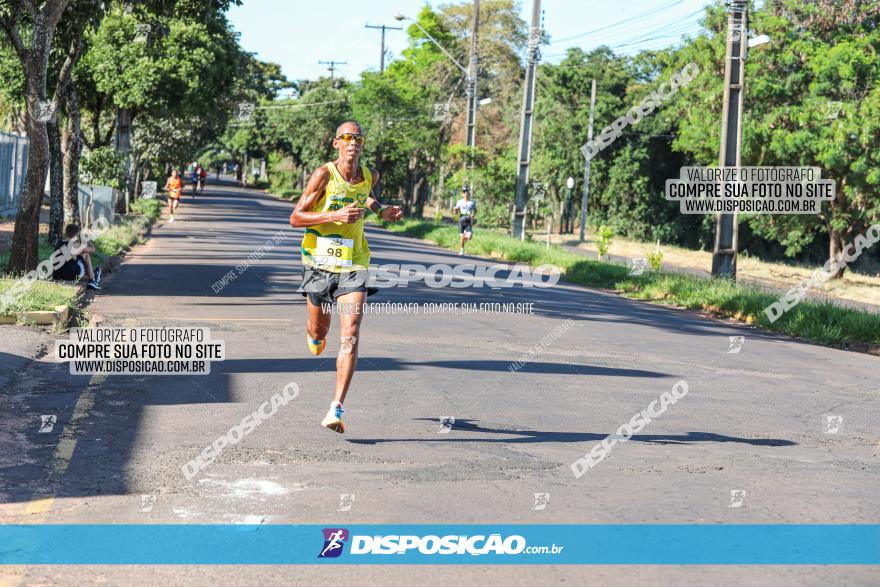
[[634, 544]]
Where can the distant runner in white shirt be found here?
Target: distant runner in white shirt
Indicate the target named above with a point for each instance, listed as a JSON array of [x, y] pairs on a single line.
[[468, 209]]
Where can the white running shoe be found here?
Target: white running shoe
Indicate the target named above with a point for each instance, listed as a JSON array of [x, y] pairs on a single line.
[[333, 419]]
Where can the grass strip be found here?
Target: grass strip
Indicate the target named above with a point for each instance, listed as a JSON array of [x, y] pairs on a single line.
[[821, 321], [46, 295]]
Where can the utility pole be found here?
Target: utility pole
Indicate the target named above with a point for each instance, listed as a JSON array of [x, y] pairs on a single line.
[[472, 94], [587, 165], [382, 27], [332, 67], [726, 225], [518, 230], [471, 73], [382, 121]]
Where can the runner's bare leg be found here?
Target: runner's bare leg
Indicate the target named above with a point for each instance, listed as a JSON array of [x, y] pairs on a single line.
[[350, 325], [319, 321]]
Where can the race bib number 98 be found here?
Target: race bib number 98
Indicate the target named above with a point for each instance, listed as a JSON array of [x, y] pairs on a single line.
[[334, 251]]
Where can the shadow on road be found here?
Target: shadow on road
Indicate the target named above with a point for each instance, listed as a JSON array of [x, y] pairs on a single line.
[[99, 426], [380, 364], [535, 436]]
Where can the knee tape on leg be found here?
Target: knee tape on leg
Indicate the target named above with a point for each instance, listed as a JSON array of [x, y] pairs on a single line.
[[349, 343]]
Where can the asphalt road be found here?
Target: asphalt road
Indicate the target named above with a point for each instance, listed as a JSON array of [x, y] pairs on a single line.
[[753, 421]]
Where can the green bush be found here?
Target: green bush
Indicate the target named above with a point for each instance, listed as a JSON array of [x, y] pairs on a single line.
[[151, 208], [655, 260], [603, 240], [103, 166]]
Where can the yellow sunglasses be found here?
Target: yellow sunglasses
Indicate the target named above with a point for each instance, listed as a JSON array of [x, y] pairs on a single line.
[[349, 137]]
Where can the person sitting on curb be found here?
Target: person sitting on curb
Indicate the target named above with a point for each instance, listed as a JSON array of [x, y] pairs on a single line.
[[75, 268]]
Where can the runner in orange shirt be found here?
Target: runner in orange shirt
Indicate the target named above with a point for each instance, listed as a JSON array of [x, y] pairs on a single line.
[[174, 187]]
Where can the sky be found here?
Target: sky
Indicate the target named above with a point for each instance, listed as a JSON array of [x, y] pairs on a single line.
[[297, 34]]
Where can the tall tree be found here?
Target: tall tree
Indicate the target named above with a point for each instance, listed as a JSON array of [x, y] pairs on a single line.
[[171, 74], [36, 21], [812, 99]]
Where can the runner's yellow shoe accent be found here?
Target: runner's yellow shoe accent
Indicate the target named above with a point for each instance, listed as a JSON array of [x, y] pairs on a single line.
[[315, 346]]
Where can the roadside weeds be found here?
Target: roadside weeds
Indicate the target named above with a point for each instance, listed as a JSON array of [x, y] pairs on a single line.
[[823, 322]]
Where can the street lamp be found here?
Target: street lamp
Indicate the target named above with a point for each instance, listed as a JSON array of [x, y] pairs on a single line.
[[569, 183], [470, 72], [433, 40], [758, 41]]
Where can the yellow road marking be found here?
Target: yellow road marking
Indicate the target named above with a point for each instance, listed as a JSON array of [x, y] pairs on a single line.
[[13, 575], [67, 442], [65, 447], [14, 578]]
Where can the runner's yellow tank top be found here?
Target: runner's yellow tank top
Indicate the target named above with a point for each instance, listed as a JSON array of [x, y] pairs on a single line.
[[337, 246]]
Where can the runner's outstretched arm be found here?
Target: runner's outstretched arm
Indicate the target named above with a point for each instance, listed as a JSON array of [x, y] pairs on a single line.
[[390, 213]]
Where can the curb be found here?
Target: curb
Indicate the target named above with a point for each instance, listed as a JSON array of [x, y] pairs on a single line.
[[57, 317], [60, 316], [742, 317]]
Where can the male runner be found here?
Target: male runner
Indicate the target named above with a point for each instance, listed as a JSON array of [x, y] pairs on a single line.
[[335, 254], [174, 187], [468, 209], [194, 177]]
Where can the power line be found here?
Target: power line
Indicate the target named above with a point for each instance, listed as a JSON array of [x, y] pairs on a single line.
[[678, 33], [651, 12], [666, 30], [273, 107], [681, 23]]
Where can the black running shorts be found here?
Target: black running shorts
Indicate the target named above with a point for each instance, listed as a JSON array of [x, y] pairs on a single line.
[[323, 287]]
